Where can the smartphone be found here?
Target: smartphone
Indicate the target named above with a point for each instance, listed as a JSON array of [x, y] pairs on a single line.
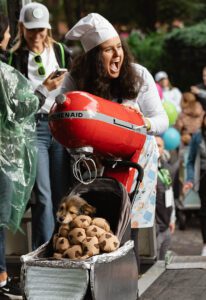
[[58, 73]]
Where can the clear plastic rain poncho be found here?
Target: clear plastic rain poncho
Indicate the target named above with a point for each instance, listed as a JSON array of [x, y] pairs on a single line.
[[18, 104]]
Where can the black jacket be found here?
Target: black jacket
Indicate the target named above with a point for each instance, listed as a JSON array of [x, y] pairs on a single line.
[[20, 58], [163, 213]]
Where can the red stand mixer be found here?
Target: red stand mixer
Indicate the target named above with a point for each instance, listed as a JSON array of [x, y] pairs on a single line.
[[79, 121]]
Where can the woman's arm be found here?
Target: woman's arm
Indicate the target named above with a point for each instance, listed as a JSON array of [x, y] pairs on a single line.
[[196, 138], [200, 92], [49, 84], [189, 183], [150, 103]]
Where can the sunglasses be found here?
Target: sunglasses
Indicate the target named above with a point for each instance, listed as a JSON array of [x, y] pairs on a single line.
[[165, 177], [41, 70]]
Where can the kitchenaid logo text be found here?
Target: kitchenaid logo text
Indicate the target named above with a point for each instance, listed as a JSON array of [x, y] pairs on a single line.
[[63, 115], [96, 116]]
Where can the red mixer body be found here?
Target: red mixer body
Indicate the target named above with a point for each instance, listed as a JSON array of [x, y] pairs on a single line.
[[111, 129]]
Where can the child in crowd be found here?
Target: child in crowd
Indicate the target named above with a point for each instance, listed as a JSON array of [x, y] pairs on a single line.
[[165, 209], [170, 93]]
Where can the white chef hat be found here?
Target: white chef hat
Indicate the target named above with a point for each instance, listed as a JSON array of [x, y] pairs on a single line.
[[92, 31]]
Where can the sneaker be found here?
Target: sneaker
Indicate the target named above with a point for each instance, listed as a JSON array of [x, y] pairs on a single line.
[[11, 290], [203, 253]]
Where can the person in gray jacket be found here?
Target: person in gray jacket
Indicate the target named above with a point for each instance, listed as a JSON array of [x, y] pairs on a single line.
[[200, 89], [196, 174]]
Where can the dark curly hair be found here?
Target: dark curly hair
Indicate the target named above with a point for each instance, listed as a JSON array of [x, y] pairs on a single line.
[[90, 76], [4, 23]]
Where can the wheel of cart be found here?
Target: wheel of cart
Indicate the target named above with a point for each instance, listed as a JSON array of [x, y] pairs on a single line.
[[112, 276]]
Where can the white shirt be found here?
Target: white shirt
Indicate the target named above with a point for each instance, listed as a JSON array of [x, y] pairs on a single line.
[[173, 95], [148, 100], [50, 64]]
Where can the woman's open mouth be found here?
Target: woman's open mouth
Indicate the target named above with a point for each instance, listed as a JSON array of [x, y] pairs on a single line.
[[115, 66]]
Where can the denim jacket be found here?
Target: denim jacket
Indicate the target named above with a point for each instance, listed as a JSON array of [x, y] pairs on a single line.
[[193, 155]]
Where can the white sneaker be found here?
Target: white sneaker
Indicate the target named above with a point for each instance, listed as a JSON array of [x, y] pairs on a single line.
[[203, 253]]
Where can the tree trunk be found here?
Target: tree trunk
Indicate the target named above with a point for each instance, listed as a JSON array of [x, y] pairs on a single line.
[[68, 12], [13, 7]]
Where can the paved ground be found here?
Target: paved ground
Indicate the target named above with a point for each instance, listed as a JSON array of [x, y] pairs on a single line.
[[182, 284], [188, 241]]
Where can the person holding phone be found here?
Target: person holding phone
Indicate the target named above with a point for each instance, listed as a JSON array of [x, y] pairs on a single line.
[[37, 55]]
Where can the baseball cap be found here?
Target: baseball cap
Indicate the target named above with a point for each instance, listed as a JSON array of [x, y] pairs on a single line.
[[92, 30], [160, 75], [35, 15]]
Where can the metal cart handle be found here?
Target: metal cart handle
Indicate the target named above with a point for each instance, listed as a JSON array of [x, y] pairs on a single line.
[[128, 164]]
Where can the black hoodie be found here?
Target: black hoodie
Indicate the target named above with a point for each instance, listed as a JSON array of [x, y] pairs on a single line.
[[163, 213]]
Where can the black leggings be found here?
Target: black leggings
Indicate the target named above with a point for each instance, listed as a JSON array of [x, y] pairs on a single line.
[[202, 194]]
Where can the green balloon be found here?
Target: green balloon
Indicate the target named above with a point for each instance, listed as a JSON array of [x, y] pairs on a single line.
[[171, 112]]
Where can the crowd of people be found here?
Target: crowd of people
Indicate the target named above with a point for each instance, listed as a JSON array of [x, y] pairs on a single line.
[[28, 87], [190, 153]]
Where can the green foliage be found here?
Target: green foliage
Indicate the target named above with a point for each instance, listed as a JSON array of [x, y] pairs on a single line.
[[3, 7], [186, 52], [181, 53], [140, 13], [186, 10], [193, 36], [148, 50]]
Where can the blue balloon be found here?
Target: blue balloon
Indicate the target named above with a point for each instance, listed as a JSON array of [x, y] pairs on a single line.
[[171, 138]]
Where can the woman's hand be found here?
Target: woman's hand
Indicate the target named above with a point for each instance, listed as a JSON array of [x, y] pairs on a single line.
[[187, 186], [53, 83], [136, 109], [147, 123], [172, 228], [195, 90], [133, 107]]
